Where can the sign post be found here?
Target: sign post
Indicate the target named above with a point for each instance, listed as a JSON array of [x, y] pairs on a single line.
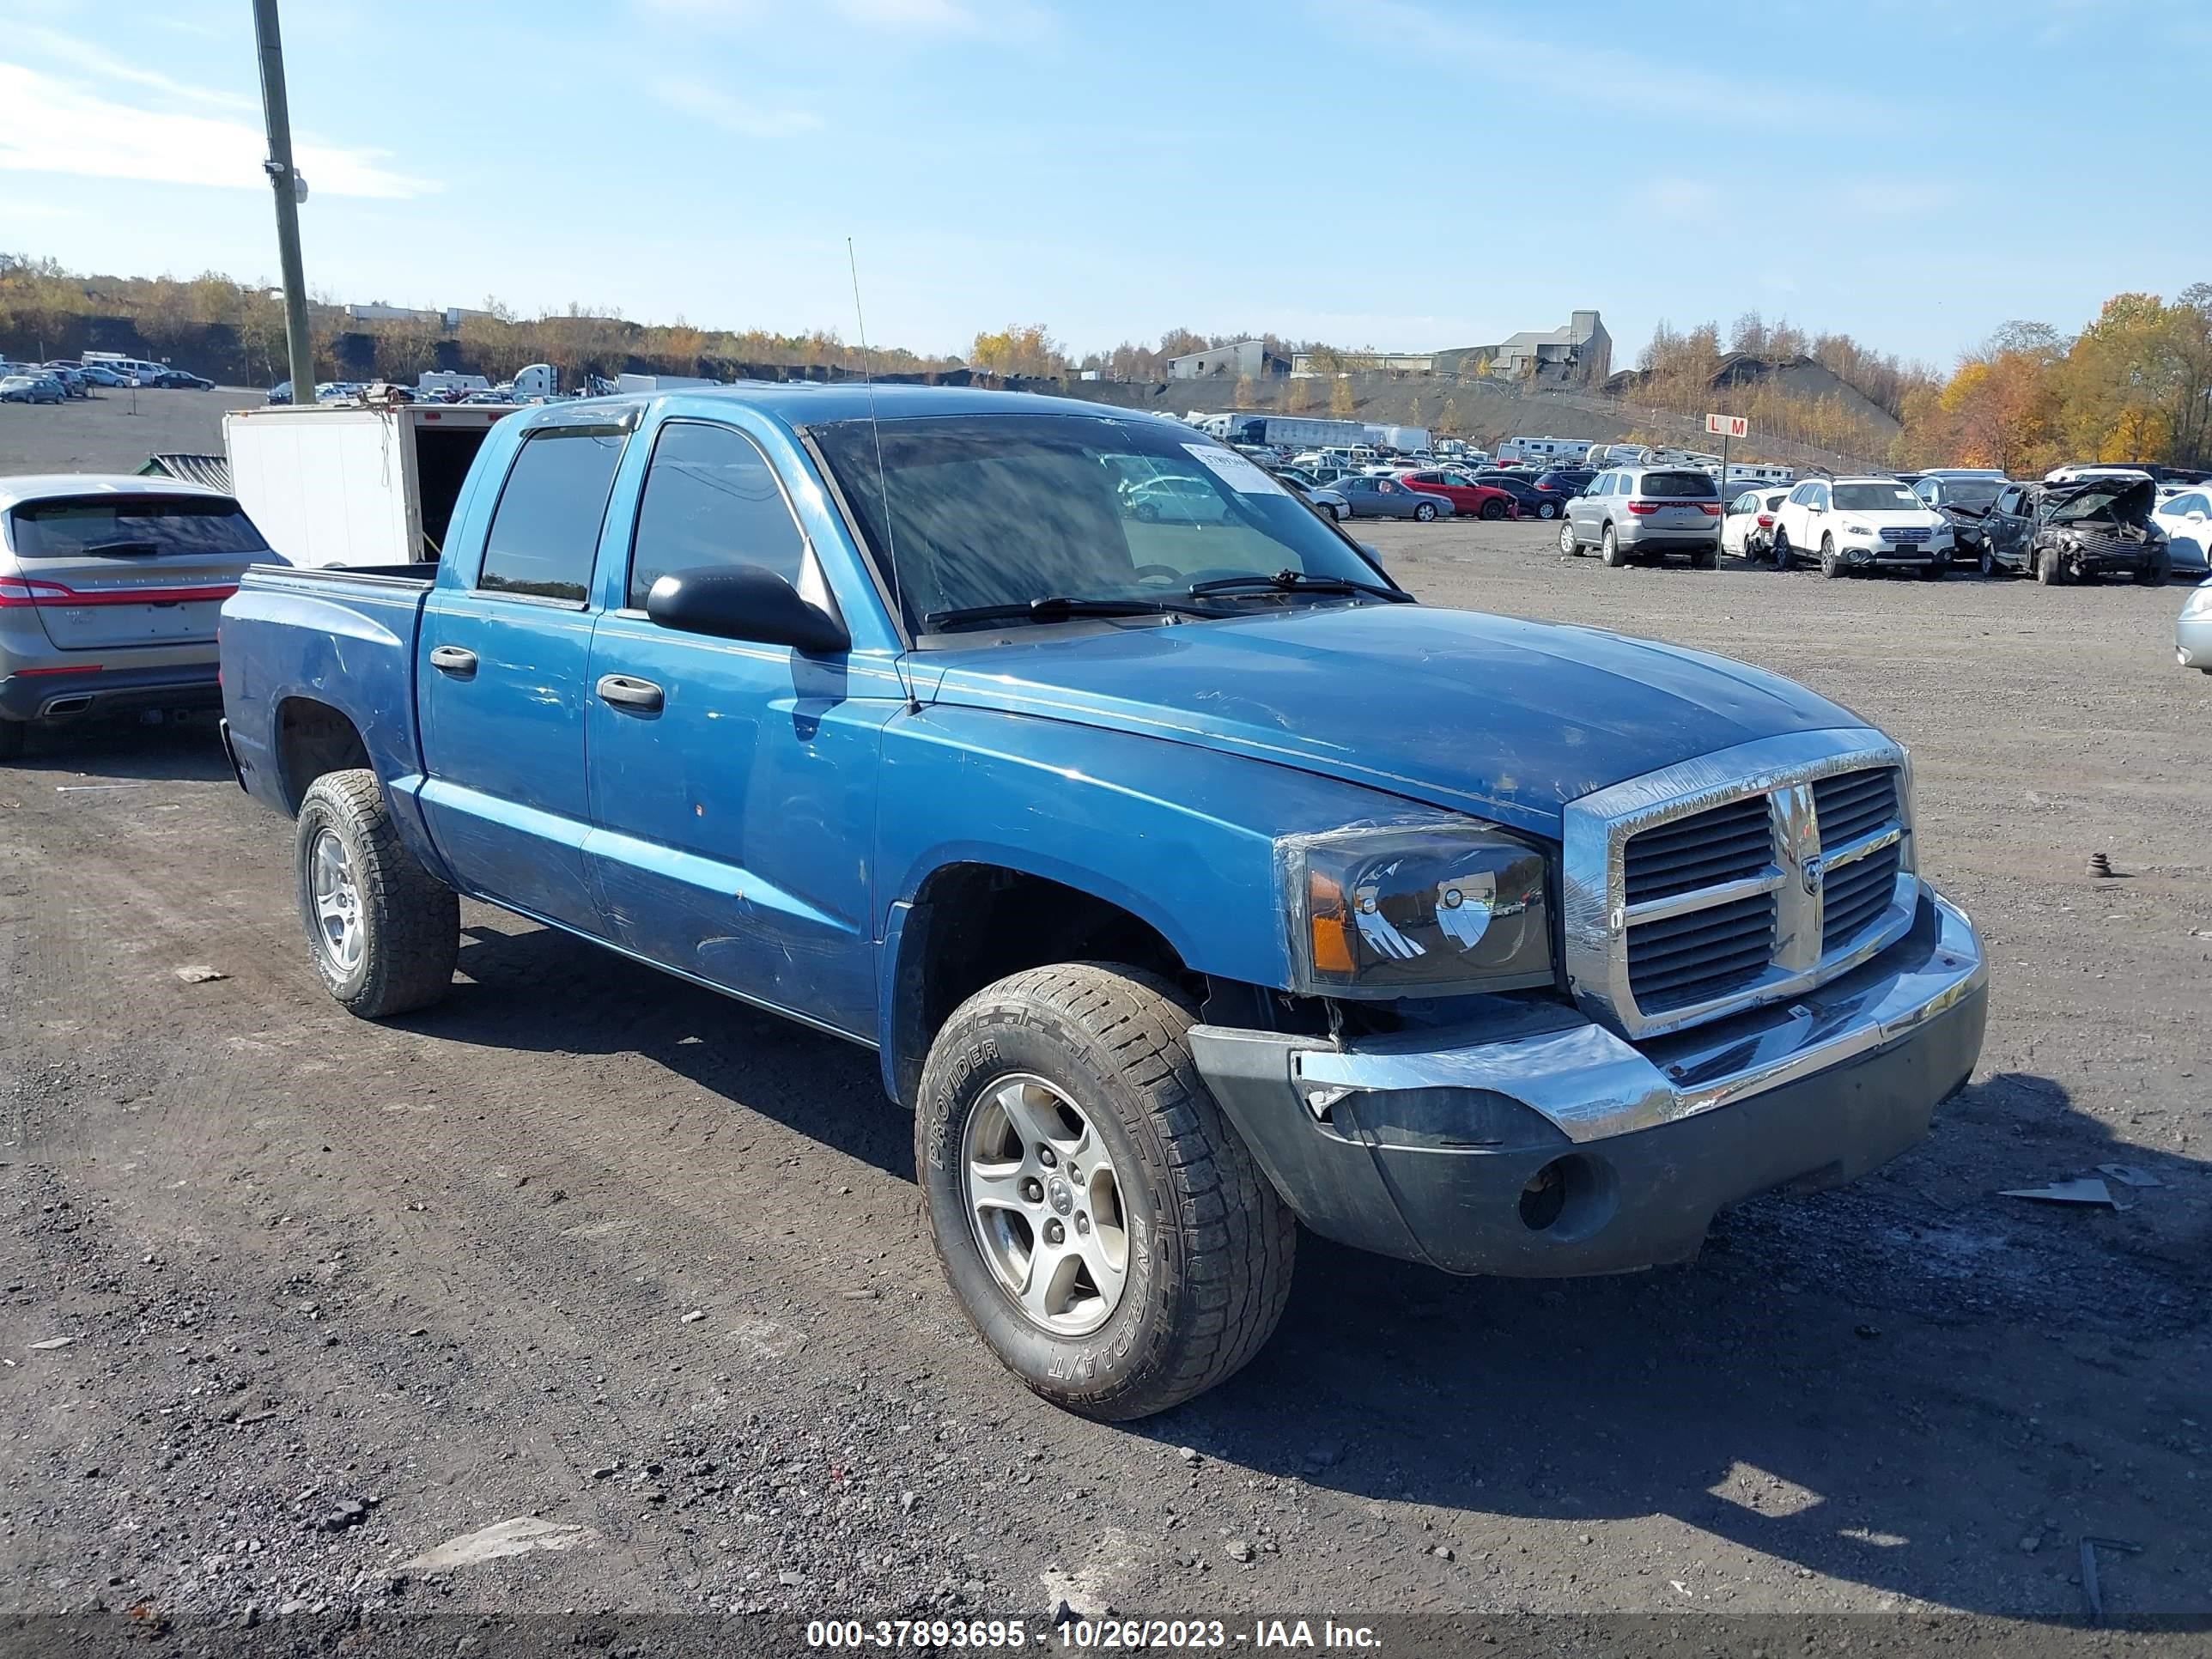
[[1728, 427]]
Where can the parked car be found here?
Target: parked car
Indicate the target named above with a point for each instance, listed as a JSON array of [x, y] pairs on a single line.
[[1359, 496], [1872, 523], [1502, 964], [179, 380], [72, 378], [2098, 525], [110, 588], [1964, 499], [1564, 484], [1639, 515], [1533, 503], [1469, 499], [101, 375], [1748, 524], [2192, 629], [1173, 498], [32, 389], [2185, 520], [280, 392]]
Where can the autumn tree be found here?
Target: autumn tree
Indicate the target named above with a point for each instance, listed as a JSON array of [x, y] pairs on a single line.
[[1027, 349], [1247, 395], [1341, 400]]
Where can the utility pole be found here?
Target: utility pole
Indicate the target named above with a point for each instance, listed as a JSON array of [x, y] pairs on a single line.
[[285, 180]]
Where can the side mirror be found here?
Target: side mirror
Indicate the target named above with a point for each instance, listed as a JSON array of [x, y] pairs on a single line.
[[744, 602]]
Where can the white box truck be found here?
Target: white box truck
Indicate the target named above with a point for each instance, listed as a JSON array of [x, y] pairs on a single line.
[[334, 485]]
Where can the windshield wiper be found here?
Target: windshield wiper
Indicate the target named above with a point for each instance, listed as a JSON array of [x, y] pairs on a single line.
[[1297, 581], [1058, 607], [122, 550]]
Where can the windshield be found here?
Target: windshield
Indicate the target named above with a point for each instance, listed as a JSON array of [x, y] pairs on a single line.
[[72, 526], [1876, 498], [1004, 509]]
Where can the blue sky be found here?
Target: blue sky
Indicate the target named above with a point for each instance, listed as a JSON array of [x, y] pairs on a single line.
[[1402, 174]]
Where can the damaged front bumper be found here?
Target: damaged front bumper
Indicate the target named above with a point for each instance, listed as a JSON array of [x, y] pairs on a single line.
[[1566, 1150]]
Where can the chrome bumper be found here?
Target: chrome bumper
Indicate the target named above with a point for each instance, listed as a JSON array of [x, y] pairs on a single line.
[[1420, 1144]]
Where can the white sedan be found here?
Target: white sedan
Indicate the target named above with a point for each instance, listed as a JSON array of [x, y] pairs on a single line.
[[1747, 523], [2186, 519]]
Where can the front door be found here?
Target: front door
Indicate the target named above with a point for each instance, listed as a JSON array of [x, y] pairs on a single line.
[[503, 683], [733, 785]]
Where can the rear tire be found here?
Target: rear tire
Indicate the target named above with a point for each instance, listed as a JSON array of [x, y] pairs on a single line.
[[1547, 509], [12, 733], [1339, 513], [1493, 510], [1707, 558], [1609, 548], [384, 932], [1783, 558], [1206, 1246], [1988, 562]]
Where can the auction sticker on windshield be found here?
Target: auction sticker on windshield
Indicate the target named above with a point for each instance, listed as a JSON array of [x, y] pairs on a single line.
[[1233, 469]]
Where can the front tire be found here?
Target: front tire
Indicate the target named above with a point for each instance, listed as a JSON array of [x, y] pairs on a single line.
[[384, 932], [2051, 568], [1064, 1131], [1831, 566], [1425, 510], [1570, 545]]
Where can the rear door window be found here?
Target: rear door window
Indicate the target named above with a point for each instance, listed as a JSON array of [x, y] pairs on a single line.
[[546, 530]]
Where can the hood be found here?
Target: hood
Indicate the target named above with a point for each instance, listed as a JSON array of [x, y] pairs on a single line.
[[1493, 715], [2130, 500]]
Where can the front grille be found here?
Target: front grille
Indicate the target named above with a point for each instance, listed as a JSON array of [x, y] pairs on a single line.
[[1920, 533], [1679, 961], [1857, 892], [1854, 804], [1725, 843]]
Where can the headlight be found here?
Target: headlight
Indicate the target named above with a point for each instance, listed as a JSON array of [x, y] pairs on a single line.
[[1858, 530], [1439, 909]]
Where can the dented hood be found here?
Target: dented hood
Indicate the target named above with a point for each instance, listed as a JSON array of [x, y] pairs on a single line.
[[1492, 715]]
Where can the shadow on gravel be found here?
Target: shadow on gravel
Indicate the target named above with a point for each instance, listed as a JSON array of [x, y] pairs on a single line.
[[1798, 1390], [123, 750], [543, 990]]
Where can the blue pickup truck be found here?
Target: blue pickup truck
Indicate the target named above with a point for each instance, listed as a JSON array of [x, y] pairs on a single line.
[[1190, 880]]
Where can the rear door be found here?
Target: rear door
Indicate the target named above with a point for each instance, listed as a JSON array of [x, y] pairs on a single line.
[[112, 572], [503, 682]]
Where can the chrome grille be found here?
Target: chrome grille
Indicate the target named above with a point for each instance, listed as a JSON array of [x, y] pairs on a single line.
[[1725, 844], [1857, 893], [1737, 878], [1681, 960], [1854, 804]]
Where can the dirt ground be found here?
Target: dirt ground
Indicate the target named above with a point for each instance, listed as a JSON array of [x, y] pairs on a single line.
[[338, 1293], [115, 430]]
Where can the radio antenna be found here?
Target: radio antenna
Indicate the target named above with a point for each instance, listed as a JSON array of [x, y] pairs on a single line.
[[882, 476]]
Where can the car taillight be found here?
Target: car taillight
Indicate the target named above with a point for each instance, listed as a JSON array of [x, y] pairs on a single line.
[[16, 591], [1710, 509], [1639, 508], [1766, 518]]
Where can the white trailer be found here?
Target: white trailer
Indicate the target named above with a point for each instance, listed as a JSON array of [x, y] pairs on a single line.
[[333, 485]]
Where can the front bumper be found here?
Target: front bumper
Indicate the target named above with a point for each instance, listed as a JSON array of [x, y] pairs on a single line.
[[28, 697], [1564, 1150], [2192, 641]]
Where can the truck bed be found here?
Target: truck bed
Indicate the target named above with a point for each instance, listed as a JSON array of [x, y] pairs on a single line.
[[299, 643]]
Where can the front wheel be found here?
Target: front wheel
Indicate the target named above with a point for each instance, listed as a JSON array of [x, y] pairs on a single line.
[[1831, 566], [1570, 545], [1425, 511], [383, 930], [2051, 568], [1102, 1226]]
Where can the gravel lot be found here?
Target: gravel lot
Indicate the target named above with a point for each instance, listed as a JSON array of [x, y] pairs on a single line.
[[114, 431], [338, 1293]]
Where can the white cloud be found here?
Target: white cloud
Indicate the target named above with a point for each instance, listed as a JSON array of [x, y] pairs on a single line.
[[48, 125], [86, 56], [718, 108]]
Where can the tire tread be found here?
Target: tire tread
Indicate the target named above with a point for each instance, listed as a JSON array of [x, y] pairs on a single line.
[[415, 931]]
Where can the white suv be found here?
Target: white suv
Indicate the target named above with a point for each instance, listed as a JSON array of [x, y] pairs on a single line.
[[1861, 524]]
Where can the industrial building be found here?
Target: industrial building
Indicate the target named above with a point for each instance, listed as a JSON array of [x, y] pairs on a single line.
[[1232, 362]]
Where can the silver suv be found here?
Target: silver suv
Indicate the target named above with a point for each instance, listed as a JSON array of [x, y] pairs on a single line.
[[110, 590], [1644, 512]]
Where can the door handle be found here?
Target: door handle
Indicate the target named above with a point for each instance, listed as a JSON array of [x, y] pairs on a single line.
[[454, 659], [623, 692]]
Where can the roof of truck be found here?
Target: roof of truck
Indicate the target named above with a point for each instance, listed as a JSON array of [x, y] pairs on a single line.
[[802, 402]]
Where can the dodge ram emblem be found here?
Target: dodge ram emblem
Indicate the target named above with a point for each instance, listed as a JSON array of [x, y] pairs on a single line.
[[1812, 878]]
